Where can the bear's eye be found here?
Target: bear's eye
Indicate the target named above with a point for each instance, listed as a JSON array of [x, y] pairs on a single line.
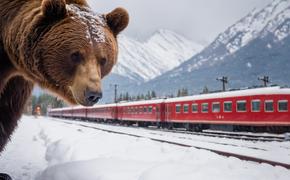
[[103, 61], [77, 57]]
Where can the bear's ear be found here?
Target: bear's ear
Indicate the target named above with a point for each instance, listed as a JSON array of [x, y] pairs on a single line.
[[54, 9], [117, 20]]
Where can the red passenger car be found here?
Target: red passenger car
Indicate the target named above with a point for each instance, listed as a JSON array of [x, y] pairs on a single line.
[[102, 112], [142, 111], [262, 108], [67, 112]]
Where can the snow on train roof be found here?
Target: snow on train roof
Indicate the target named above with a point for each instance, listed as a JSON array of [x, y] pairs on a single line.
[[238, 93], [101, 105], [83, 107], [143, 102]]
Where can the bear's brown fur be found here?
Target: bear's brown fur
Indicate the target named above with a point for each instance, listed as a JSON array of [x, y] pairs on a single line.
[[61, 45]]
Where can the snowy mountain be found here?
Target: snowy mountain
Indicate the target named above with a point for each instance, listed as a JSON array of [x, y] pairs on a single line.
[[163, 51], [258, 44], [255, 25]]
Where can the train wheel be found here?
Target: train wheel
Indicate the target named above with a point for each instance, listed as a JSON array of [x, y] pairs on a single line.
[[197, 128], [158, 124], [170, 126], [189, 127]]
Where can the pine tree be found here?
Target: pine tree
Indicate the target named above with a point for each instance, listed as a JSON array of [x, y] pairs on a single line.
[[185, 92], [179, 93], [120, 97], [127, 96], [142, 96], [205, 90], [153, 94]]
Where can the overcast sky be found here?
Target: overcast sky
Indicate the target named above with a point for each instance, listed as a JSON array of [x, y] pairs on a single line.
[[198, 20]]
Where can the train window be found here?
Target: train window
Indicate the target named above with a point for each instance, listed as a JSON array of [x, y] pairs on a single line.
[[204, 107], [185, 108], [283, 106], [241, 106], [216, 107], [136, 110], [150, 109], [256, 105], [228, 106], [194, 108], [177, 108], [269, 106]]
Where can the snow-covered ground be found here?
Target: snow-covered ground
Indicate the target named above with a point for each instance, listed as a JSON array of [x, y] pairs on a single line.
[[50, 149]]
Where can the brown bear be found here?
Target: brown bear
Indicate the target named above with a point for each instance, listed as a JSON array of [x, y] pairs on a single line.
[[60, 45]]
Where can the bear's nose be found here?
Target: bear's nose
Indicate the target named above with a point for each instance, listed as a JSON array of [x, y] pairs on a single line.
[[92, 97]]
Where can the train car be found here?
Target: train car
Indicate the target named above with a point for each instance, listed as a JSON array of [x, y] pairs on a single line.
[[102, 112], [55, 112], [149, 111], [67, 112], [79, 112], [264, 107]]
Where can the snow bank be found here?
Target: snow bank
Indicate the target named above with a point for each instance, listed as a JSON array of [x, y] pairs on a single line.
[[71, 152]]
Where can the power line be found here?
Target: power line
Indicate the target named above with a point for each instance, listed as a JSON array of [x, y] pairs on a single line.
[[265, 80], [224, 80]]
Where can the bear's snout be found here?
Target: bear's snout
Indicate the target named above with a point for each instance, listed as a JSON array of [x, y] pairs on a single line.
[[92, 97], [85, 95]]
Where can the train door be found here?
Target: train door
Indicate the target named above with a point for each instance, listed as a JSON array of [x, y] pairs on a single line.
[[158, 113], [115, 112], [120, 113], [168, 112]]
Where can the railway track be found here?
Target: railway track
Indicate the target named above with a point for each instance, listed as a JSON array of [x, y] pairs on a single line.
[[229, 135], [219, 152], [158, 131]]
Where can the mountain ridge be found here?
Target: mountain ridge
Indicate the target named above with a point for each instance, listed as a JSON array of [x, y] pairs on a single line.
[[143, 61], [255, 45]]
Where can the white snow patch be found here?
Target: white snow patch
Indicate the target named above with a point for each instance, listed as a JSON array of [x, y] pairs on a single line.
[[51, 149], [249, 65], [94, 22]]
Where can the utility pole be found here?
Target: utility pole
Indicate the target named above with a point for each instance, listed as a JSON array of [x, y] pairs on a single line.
[[115, 92], [265, 80], [224, 80]]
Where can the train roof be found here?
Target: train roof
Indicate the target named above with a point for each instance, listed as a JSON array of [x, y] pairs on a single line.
[[102, 106], [238, 93], [83, 107], [143, 102], [60, 109]]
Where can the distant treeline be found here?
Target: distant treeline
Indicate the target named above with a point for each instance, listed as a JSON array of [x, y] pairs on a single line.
[[152, 95], [44, 101]]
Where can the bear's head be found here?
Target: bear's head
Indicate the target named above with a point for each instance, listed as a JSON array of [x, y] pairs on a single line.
[[77, 49]]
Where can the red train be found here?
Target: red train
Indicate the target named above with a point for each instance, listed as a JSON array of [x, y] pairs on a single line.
[[261, 109]]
